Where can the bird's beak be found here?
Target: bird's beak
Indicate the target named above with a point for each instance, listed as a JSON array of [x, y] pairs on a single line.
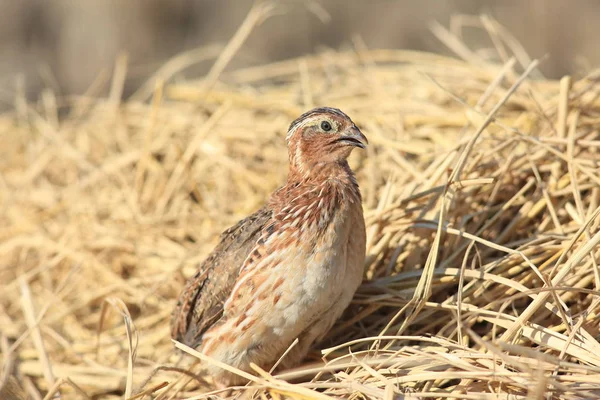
[[354, 137]]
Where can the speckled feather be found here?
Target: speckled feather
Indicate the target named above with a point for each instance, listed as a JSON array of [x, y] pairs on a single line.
[[200, 303], [289, 270]]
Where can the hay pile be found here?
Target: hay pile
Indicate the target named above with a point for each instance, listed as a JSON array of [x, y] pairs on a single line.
[[481, 276]]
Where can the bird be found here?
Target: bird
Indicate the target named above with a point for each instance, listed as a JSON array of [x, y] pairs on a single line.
[[289, 270]]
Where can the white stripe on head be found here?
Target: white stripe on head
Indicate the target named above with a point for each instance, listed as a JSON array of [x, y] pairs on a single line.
[[309, 117]]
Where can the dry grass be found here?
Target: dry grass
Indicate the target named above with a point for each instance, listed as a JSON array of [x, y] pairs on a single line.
[[481, 276]]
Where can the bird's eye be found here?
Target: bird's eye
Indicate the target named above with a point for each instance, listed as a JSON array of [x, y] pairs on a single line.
[[326, 126]]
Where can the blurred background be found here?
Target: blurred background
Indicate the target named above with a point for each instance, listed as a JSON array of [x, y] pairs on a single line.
[[66, 44]]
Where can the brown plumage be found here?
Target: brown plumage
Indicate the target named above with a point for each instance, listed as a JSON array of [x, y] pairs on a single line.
[[290, 269]]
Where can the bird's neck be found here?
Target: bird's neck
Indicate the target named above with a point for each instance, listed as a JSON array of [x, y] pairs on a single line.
[[333, 177], [318, 173], [328, 188]]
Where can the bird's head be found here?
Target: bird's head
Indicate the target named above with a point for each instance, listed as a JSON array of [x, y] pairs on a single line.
[[320, 136]]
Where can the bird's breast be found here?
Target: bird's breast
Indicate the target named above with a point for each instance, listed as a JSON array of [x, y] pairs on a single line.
[[318, 267]]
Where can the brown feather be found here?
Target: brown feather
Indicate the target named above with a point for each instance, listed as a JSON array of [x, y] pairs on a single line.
[[200, 303]]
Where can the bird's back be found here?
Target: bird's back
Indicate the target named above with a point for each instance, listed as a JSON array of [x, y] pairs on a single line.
[[200, 304]]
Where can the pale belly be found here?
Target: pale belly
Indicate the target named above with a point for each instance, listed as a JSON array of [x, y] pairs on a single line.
[[319, 285]]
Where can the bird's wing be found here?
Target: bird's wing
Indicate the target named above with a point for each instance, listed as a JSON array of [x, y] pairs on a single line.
[[200, 303]]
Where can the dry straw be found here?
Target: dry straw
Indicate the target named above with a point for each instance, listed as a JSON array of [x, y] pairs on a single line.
[[481, 188]]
